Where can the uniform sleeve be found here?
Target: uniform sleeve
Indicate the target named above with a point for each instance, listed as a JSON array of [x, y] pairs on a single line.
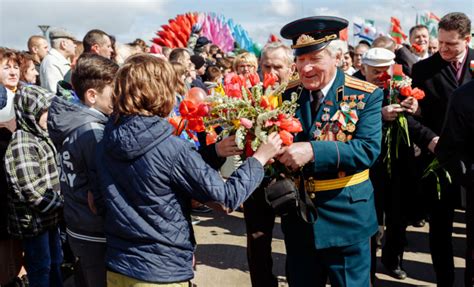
[[191, 174], [360, 152], [23, 164]]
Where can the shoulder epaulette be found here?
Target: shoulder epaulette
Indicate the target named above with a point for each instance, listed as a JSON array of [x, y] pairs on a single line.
[[294, 81], [360, 85]]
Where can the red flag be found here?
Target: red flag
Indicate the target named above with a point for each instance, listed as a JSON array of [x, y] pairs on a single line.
[[396, 30], [344, 34]]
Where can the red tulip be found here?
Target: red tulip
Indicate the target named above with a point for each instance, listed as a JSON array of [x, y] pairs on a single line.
[[211, 137], [291, 125], [196, 124], [418, 94], [286, 137], [202, 110], [254, 79], [264, 102], [187, 108], [406, 91], [417, 47], [269, 79], [233, 90]]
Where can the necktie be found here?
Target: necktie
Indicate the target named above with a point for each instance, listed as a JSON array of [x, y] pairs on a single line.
[[316, 102], [456, 67]]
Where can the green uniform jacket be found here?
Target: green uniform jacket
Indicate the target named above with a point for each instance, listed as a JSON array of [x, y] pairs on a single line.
[[345, 216]]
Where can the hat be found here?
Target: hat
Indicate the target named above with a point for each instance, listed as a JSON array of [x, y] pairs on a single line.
[[378, 57], [201, 42], [61, 33], [313, 33], [198, 61]]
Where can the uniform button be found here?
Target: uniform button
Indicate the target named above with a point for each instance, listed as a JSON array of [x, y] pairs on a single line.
[[312, 195]]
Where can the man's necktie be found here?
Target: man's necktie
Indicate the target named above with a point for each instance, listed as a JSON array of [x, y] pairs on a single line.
[[456, 65], [316, 102]]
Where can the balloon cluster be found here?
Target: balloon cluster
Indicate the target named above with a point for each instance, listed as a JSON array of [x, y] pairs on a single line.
[[221, 31]]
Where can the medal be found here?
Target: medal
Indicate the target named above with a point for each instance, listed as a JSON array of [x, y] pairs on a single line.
[[352, 104], [345, 107], [341, 136], [351, 127], [360, 105], [325, 117], [335, 128]]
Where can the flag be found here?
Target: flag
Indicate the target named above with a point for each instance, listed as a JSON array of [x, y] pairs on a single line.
[[344, 34], [430, 20], [396, 31], [366, 31]]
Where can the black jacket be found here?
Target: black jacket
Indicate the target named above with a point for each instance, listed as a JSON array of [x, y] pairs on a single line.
[[437, 79], [457, 138]]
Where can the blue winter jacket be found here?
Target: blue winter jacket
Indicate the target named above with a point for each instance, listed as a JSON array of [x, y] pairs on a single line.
[[148, 177]]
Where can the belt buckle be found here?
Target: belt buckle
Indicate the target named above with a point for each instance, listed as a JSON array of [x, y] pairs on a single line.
[[310, 188]]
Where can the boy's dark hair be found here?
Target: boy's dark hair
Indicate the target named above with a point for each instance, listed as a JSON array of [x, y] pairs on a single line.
[[456, 21], [92, 72], [93, 37]]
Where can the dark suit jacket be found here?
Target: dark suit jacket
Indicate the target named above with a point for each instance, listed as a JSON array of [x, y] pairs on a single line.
[[437, 79], [456, 140]]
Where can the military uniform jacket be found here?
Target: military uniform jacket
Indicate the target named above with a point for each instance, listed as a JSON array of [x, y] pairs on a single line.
[[345, 216]]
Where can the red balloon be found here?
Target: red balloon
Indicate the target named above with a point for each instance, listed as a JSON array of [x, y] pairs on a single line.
[[196, 95]]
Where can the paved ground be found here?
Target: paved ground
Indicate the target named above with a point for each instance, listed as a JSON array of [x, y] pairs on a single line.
[[221, 254]]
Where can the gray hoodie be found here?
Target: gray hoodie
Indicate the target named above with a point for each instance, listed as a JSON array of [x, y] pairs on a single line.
[[75, 130]]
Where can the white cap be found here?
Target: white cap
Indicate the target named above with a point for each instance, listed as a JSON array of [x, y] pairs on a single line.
[[378, 57]]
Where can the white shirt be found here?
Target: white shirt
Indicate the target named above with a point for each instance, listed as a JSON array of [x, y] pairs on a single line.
[[53, 69], [325, 90]]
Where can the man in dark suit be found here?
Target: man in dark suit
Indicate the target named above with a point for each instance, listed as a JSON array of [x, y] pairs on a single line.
[[454, 151], [341, 139], [439, 76]]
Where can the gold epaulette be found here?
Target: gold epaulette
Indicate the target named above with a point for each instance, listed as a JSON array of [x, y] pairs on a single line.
[[294, 81], [360, 85]]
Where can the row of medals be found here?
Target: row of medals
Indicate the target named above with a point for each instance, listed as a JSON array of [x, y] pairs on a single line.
[[330, 129]]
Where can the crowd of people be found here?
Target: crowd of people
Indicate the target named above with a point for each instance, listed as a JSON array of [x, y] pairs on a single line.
[[94, 175]]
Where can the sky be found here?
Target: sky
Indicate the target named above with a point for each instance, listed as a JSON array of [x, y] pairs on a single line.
[[128, 20]]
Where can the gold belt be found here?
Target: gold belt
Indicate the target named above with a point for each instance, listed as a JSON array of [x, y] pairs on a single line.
[[313, 185]]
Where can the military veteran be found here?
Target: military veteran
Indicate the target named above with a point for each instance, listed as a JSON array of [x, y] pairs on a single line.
[[341, 139]]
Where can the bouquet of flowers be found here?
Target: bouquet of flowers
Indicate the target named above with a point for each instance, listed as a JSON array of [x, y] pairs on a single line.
[[399, 85], [250, 109]]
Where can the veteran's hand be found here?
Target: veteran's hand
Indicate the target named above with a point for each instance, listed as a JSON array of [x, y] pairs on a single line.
[[227, 147], [296, 155], [390, 112], [410, 105]]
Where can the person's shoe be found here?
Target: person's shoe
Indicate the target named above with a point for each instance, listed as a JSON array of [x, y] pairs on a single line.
[[396, 272], [419, 223], [201, 209], [195, 220]]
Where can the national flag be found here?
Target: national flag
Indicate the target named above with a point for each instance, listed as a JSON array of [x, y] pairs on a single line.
[[344, 34], [366, 31], [396, 31], [430, 20]]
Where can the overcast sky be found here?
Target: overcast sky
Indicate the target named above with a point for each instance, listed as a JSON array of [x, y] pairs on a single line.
[[128, 20]]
